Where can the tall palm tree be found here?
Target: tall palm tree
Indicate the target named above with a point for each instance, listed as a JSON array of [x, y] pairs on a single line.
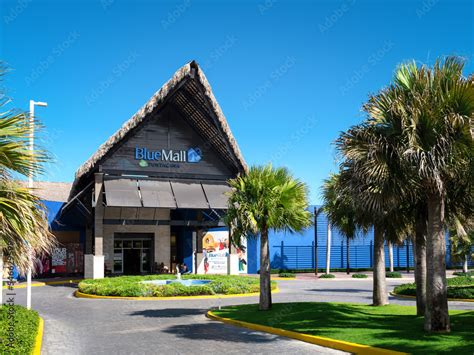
[[264, 199], [429, 110], [371, 175], [23, 223]]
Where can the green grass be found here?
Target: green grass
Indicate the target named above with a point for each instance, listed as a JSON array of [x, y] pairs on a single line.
[[131, 286], [458, 287], [391, 327], [25, 330]]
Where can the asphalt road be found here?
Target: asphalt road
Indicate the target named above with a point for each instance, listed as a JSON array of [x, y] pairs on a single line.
[[93, 326]]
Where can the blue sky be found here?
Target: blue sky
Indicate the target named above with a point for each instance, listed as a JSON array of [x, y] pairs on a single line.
[[289, 75]]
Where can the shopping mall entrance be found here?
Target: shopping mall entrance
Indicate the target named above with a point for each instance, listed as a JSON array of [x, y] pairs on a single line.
[[133, 253]]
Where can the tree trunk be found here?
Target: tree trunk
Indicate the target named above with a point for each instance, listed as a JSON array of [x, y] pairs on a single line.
[[436, 311], [380, 296], [328, 250], [464, 266], [348, 257], [420, 264], [265, 286], [390, 255]]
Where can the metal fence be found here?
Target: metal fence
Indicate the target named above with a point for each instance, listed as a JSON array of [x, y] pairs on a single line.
[[360, 256]]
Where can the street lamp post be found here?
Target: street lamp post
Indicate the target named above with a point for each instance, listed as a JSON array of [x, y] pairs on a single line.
[[30, 186]]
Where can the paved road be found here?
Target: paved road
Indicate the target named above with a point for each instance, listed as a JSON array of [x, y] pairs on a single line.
[[85, 326]]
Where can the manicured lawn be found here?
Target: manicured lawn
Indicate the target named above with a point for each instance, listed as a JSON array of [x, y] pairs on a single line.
[[458, 287], [391, 327], [25, 329], [131, 286]]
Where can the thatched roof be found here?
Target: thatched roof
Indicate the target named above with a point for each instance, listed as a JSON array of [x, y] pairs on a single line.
[[50, 191], [188, 91]]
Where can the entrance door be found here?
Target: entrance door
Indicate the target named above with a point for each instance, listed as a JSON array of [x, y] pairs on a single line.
[[131, 261], [133, 253]]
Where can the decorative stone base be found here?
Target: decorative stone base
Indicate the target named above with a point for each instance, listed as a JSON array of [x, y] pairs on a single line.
[[93, 266]]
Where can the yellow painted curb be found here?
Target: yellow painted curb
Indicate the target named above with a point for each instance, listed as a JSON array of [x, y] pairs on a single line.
[[39, 284], [79, 294], [283, 278], [313, 339], [39, 338], [449, 299]]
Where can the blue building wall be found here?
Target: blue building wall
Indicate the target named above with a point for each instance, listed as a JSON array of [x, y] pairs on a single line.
[[296, 251]]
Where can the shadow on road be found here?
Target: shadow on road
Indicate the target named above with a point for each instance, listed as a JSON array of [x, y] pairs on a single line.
[[217, 331], [169, 312], [341, 290]]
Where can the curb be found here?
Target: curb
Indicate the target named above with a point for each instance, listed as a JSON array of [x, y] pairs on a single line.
[[40, 284], [38, 338], [313, 339], [283, 278], [449, 299], [79, 294]]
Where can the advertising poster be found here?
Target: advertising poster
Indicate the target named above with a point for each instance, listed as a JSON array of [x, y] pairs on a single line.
[[215, 253], [58, 260], [215, 250]]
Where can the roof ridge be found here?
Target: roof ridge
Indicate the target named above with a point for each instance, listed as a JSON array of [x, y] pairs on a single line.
[[158, 98]]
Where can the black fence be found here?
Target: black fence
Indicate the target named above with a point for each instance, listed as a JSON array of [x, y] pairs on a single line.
[[360, 256]]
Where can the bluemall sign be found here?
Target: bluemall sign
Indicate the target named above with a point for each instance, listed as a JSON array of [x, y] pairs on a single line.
[[145, 155]]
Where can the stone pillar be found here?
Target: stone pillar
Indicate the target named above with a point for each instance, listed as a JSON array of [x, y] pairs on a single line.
[[89, 239], [99, 215], [163, 245], [94, 263]]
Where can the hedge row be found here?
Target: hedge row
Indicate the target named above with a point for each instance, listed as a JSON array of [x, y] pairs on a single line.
[[131, 286], [458, 287]]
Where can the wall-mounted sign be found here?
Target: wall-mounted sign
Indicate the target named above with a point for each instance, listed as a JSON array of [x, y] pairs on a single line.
[[145, 155]]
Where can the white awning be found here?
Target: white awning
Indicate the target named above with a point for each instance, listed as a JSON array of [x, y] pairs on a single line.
[[189, 195], [122, 193], [131, 192], [216, 194]]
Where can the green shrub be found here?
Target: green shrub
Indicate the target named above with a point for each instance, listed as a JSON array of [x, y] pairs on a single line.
[[26, 328], [359, 276], [327, 276], [458, 287], [393, 275], [132, 286], [462, 273], [287, 274]]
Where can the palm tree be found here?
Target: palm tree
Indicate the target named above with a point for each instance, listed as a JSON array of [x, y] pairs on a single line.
[[264, 199], [340, 210], [23, 223], [430, 111], [371, 176]]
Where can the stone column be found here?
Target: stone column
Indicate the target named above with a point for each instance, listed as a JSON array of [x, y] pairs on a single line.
[[94, 263]]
